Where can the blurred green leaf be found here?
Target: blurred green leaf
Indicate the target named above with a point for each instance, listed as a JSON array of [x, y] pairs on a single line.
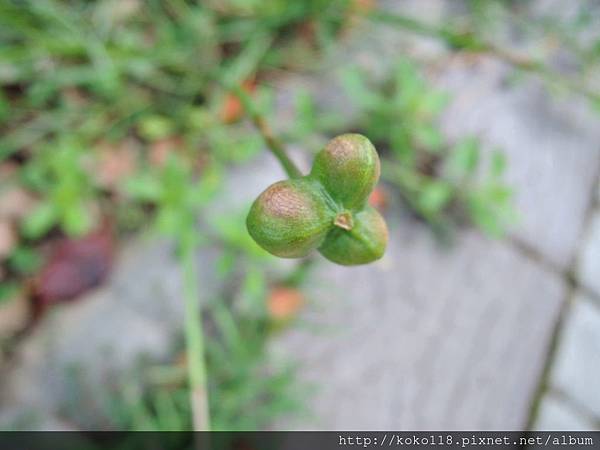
[[144, 187], [40, 221], [433, 103], [595, 103], [7, 291], [225, 264], [434, 196], [498, 164], [429, 137], [464, 158], [354, 83], [76, 220], [155, 127], [481, 214], [254, 289], [4, 107], [401, 115], [24, 260], [490, 209]]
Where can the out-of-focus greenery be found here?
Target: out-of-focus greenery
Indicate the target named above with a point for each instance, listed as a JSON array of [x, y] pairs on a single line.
[[78, 74], [249, 387], [115, 111], [562, 44], [448, 184], [444, 183]]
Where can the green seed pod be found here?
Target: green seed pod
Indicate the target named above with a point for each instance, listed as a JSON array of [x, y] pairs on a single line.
[[348, 168], [326, 209], [290, 218], [363, 243]]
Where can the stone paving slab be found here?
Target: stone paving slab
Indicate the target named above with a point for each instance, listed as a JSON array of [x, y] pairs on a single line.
[[589, 264], [428, 338], [553, 157], [90, 344], [556, 415], [553, 151], [576, 367]]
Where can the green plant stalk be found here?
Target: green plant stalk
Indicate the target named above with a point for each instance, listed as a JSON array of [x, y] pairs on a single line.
[[194, 338], [193, 318], [274, 145]]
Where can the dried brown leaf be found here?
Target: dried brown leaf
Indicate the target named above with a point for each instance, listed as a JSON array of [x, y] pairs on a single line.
[[74, 266]]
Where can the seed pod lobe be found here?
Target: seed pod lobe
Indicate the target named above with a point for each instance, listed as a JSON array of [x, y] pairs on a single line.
[[364, 243], [348, 168], [290, 218]]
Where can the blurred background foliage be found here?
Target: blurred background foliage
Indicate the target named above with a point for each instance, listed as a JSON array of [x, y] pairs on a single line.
[[113, 115], [117, 113]]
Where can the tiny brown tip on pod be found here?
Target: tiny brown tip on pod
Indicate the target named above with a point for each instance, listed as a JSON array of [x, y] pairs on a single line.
[[344, 220]]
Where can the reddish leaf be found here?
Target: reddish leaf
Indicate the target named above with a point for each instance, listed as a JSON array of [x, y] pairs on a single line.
[[162, 148], [284, 303], [75, 266], [232, 109], [379, 199]]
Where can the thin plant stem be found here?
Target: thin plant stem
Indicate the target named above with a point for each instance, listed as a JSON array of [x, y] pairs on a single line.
[[194, 337], [275, 145], [298, 276]]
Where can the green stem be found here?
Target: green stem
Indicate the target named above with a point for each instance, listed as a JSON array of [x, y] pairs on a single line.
[[274, 145], [194, 339], [299, 274]]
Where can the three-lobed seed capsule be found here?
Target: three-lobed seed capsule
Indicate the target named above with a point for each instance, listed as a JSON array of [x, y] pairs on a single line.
[[326, 209]]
